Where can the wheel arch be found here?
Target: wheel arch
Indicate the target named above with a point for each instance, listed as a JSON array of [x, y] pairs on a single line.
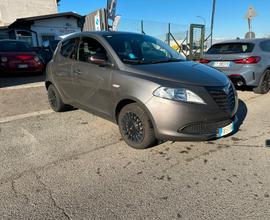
[[267, 68], [263, 73], [47, 84], [120, 105], [125, 101]]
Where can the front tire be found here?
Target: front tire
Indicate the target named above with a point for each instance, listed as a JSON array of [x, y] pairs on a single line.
[[136, 127], [264, 85], [55, 100]]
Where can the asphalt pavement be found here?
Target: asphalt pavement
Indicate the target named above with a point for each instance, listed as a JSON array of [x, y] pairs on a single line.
[[74, 165]]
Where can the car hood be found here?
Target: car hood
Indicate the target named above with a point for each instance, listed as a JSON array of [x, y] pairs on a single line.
[[186, 72]]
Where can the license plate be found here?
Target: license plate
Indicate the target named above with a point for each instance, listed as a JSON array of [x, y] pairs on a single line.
[[226, 130], [222, 64], [22, 66]]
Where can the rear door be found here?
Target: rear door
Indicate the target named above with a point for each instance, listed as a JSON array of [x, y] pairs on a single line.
[[223, 56], [91, 82], [63, 67]]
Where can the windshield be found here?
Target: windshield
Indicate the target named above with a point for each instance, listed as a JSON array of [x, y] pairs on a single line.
[[14, 46], [142, 49], [231, 48]]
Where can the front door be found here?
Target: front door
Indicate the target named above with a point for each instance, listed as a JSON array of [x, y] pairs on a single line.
[[91, 82], [63, 67]]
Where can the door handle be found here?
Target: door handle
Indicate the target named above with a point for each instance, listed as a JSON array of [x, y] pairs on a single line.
[[78, 72]]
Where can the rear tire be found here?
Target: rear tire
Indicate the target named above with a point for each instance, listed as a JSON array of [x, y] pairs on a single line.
[[264, 85], [136, 127], [55, 100]]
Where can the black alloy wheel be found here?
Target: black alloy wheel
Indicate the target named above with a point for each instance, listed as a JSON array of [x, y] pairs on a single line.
[[136, 127]]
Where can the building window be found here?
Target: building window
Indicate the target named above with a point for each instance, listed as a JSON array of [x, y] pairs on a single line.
[[47, 38], [25, 36]]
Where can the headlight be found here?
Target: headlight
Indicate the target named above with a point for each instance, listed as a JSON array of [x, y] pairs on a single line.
[[178, 94]]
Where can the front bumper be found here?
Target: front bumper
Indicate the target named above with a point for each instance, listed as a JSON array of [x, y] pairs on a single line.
[[177, 121]]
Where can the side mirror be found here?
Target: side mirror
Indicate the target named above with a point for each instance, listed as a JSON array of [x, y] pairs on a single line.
[[99, 59]]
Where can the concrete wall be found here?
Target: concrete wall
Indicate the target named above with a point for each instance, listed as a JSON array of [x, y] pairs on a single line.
[[10, 10]]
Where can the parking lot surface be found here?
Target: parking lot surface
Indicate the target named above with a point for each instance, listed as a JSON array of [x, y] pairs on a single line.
[[74, 165]]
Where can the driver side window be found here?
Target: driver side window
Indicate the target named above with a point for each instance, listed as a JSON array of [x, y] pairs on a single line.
[[89, 47]]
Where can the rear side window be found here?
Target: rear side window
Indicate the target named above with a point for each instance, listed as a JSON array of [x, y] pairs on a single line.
[[265, 46], [68, 48], [231, 48]]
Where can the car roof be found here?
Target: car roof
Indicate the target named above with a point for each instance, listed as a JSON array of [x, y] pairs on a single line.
[[255, 41], [100, 33], [104, 33]]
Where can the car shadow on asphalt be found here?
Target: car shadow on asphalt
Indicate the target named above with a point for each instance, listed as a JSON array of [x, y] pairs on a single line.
[[20, 79], [241, 114], [244, 89]]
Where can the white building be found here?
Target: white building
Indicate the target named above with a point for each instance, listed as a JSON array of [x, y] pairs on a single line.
[[36, 30]]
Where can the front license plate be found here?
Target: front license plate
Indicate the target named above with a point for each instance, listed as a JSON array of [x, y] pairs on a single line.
[[222, 64], [22, 66], [226, 130]]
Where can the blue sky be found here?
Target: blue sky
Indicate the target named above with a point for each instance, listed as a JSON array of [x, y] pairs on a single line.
[[230, 22]]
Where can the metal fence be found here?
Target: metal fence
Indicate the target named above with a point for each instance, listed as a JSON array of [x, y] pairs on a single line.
[[176, 35], [154, 28]]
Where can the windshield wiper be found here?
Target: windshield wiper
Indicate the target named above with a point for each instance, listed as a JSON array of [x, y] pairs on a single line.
[[135, 61], [167, 60]]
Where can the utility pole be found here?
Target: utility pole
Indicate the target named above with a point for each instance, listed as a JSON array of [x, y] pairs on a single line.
[[213, 20]]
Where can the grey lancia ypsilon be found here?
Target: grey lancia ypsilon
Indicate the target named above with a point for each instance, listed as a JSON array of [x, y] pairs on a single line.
[[143, 85]]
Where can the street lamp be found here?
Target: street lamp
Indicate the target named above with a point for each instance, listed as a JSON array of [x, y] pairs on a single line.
[[204, 20], [213, 19]]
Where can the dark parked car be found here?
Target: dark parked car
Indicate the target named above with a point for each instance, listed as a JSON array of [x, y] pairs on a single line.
[[246, 62], [143, 85], [18, 57], [45, 53]]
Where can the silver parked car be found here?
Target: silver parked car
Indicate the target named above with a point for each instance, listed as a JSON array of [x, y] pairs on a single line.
[[143, 85], [246, 62]]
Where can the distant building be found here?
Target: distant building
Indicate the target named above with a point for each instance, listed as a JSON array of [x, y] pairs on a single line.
[[35, 30], [10, 10]]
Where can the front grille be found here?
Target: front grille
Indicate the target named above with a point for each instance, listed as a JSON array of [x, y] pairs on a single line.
[[201, 128], [224, 97]]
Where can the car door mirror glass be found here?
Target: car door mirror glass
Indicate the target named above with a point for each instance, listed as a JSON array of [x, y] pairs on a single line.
[[98, 59]]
